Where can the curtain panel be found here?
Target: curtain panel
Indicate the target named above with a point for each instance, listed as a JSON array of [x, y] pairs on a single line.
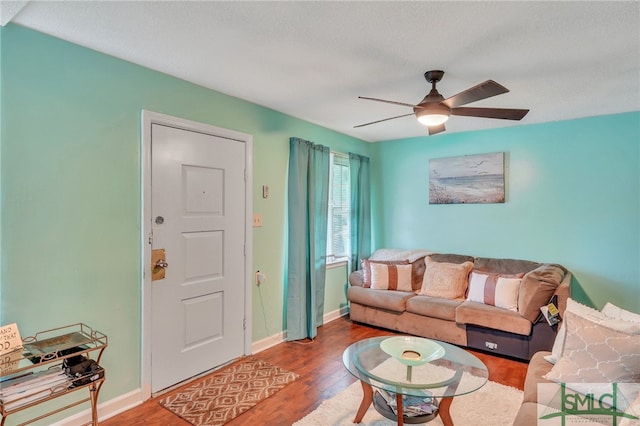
[[360, 209], [308, 198]]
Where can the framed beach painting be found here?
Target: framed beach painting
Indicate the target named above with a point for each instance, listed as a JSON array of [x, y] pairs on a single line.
[[467, 179]]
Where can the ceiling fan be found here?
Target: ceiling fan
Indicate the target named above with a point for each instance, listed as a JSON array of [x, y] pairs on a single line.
[[434, 110]]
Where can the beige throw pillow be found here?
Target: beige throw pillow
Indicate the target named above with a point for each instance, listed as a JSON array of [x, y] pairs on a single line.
[[366, 268], [497, 290], [391, 277], [446, 280]]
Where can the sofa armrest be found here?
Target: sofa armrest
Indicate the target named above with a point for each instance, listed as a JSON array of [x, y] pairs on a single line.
[[563, 292], [356, 278]]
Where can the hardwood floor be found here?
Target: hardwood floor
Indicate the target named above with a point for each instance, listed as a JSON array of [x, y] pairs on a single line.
[[322, 375]]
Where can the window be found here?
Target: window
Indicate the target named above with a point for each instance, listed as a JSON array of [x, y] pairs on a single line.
[[339, 209]]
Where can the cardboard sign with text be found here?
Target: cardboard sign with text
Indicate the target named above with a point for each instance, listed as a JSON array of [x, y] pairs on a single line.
[[9, 338]]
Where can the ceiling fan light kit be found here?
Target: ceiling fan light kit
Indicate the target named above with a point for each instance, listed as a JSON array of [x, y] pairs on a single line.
[[433, 114], [434, 110]]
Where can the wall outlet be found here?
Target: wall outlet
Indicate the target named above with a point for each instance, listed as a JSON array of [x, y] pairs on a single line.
[[257, 220], [260, 278]]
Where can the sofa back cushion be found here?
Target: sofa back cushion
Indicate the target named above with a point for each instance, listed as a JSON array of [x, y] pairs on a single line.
[[537, 287], [450, 258], [446, 280], [504, 266]]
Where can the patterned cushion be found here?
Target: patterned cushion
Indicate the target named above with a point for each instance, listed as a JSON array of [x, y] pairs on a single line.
[[594, 316], [594, 353], [390, 277], [446, 280], [366, 268], [497, 290]]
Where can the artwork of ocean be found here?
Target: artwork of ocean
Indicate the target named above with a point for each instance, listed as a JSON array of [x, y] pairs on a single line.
[[467, 179]]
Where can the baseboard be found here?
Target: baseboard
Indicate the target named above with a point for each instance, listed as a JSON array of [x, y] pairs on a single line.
[[334, 315], [106, 410], [268, 342], [277, 338], [134, 398]]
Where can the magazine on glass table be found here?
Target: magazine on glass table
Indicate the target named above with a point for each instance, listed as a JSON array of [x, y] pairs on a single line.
[[411, 405]]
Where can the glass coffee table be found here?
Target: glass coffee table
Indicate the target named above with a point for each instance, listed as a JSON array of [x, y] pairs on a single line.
[[412, 368]]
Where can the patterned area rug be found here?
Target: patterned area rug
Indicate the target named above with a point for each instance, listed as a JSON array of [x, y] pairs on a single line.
[[228, 393]]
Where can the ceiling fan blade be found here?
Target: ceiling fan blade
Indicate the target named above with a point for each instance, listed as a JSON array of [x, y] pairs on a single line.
[[502, 113], [388, 102], [436, 129], [478, 92], [380, 121]]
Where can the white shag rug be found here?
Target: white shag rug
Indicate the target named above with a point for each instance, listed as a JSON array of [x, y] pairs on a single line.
[[493, 404]]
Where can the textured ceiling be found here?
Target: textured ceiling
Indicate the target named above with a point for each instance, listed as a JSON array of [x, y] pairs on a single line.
[[312, 60]]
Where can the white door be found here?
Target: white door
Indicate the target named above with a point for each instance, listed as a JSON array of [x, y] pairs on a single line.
[[198, 218]]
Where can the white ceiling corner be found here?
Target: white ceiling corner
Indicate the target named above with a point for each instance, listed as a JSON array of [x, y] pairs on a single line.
[[9, 9]]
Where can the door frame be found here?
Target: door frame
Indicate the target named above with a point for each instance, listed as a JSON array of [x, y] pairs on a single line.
[[148, 118]]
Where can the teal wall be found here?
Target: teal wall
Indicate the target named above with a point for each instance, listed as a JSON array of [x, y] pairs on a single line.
[[70, 194], [572, 197], [71, 173]]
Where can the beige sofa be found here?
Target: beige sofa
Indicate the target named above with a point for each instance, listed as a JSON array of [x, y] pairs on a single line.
[[519, 333]]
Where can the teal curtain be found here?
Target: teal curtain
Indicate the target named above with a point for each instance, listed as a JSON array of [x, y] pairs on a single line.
[[360, 209], [308, 194]]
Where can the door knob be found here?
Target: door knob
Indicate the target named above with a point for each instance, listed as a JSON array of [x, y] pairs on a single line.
[[158, 264]]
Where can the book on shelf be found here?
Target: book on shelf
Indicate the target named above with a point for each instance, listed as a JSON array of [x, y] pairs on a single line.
[[412, 406], [21, 390]]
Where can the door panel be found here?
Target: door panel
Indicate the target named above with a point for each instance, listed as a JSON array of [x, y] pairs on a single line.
[[198, 188]]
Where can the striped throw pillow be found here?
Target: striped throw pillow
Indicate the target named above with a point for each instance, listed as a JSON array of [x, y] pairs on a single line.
[[390, 277], [497, 290], [366, 268]]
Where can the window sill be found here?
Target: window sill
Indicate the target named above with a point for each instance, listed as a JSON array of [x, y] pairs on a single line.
[[337, 263]]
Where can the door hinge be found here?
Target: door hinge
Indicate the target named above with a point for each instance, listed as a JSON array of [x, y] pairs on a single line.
[[151, 238]]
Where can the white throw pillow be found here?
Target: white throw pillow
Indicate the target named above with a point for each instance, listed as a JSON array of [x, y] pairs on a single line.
[[390, 277], [592, 315], [494, 289], [613, 311]]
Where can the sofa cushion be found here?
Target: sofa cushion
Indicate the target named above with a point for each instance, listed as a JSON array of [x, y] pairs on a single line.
[[390, 277], [447, 280], [366, 268], [435, 307], [595, 353], [497, 290], [537, 287], [492, 317], [504, 266], [384, 299], [450, 258], [538, 367]]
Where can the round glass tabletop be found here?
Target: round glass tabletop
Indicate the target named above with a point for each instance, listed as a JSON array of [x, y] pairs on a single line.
[[453, 371]]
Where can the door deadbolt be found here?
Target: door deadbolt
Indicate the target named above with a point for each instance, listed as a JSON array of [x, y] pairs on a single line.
[[161, 263], [159, 220]]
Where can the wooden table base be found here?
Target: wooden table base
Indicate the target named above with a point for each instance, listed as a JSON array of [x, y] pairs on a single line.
[[367, 400]]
